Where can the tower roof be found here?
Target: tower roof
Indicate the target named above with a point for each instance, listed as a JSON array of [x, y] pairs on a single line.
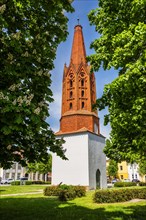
[[78, 53], [78, 91]]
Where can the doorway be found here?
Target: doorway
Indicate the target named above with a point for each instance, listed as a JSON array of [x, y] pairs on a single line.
[[98, 174]]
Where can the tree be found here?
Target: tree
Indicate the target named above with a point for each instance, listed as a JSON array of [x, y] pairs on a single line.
[[112, 169], [142, 167], [41, 167], [30, 32], [122, 45]]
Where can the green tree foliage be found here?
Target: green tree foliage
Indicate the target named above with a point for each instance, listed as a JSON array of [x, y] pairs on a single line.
[[142, 167], [41, 167], [30, 31], [112, 168], [122, 45]]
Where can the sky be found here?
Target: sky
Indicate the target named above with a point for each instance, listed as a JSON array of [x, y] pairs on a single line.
[[82, 9]]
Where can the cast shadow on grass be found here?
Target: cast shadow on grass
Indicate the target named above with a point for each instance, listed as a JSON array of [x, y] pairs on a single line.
[[52, 209], [2, 190]]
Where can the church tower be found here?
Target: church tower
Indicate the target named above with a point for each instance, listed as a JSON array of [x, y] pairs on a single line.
[[78, 91], [79, 124]]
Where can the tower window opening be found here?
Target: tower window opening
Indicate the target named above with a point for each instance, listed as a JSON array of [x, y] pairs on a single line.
[[82, 93], [71, 83], [83, 104], [82, 82], [71, 94], [70, 105]]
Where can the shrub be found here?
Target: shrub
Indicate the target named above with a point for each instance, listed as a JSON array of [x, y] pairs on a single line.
[[52, 191], [65, 187], [67, 194], [118, 195], [27, 182], [124, 184], [80, 191], [47, 182], [17, 182], [142, 184], [37, 182], [40, 182]]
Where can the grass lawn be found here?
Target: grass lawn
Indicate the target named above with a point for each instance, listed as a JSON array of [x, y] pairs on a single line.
[[38, 207], [20, 189]]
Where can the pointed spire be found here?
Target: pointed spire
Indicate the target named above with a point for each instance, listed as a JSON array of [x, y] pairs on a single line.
[[78, 20], [78, 53]]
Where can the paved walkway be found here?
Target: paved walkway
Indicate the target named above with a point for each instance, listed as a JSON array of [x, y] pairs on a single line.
[[21, 194]]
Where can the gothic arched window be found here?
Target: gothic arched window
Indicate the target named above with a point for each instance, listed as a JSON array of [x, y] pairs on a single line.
[[70, 105], [82, 93], [71, 83], [83, 104], [71, 94], [82, 82]]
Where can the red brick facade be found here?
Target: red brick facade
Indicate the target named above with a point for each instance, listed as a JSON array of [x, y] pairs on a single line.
[[78, 91]]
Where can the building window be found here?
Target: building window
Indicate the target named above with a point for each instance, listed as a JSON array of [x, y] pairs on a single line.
[[13, 175], [121, 167], [82, 93], [19, 167], [135, 176], [33, 176], [7, 175], [83, 104], [70, 105], [132, 176], [82, 82], [71, 83], [121, 177], [18, 175], [71, 93]]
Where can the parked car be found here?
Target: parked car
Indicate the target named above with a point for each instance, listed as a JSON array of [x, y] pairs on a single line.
[[7, 181], [135, 180], [115, 180], [126, 180], [23, 178], [3, 181]]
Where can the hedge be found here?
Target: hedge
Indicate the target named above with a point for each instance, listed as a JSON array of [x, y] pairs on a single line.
[[15, 183], [29, 182], [40, 182], [124, 184], [142, 183], [65, 192], [18, 182], [119, 195], [52, 191]]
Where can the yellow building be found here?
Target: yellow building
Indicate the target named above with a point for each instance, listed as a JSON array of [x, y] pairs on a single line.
[[123, 170], [128, 171]]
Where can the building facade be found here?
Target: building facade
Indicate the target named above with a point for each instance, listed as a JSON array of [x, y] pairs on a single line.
[[17, 171], [127, 171]]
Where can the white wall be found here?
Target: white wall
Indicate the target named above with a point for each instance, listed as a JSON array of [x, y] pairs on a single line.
[[75, 170], [85, 154], [97, 160]]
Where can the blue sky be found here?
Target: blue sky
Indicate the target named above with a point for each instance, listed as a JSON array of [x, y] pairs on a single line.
[[82, 8]]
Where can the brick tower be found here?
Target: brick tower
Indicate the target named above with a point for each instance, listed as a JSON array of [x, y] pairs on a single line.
[[78, 91], [79, 124]]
